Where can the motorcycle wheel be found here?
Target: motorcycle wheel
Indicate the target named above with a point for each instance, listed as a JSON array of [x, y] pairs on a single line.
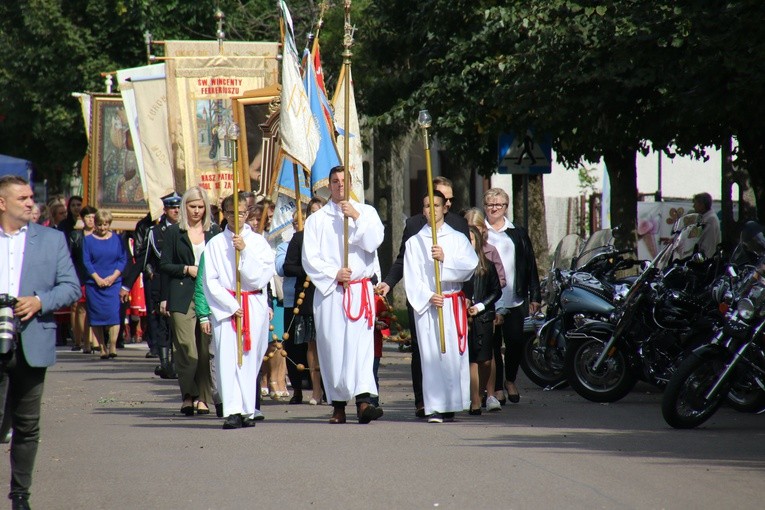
[[683, 404], [539, 363], [745, 395], [612, 382]]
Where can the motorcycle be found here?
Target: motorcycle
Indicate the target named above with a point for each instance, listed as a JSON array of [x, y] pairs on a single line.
[[581, 283], [664, 313], [732, 365]]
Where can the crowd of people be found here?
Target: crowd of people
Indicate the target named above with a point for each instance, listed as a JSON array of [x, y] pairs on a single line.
[[310, 295]]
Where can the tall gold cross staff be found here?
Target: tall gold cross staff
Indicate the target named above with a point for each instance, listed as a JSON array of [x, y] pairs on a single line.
[[233, 135], [347, 42], [424, 120]]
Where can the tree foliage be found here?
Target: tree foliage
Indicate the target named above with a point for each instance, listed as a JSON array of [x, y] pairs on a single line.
[[603, 78], [51, 48]]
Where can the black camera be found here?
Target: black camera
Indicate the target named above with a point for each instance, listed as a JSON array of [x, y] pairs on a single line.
[[8, 324]]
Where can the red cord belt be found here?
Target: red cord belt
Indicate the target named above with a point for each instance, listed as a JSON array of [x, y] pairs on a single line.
[[246, 341], [365, 310], [459, 308]]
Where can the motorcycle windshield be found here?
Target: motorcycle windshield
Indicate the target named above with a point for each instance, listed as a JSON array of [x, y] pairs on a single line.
[[568, 248], [685, 236], [598, 243], [751, 245]]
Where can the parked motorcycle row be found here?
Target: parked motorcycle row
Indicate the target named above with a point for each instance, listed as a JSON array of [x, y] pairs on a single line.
[[690, 325]]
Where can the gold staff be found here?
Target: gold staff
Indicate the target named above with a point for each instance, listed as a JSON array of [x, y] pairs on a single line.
[[233, 135], [298, 198], [347, 42], [424, 120]]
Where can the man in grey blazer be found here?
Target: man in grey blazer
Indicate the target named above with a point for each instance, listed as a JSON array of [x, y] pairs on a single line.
[[37, 270]]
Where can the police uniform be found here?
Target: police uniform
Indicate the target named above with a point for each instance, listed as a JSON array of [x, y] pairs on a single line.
[[149, 238]]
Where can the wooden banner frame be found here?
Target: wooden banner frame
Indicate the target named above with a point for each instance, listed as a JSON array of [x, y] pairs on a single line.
[[256, 113]]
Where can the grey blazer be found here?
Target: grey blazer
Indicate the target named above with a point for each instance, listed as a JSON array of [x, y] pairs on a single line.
[[47, 272]]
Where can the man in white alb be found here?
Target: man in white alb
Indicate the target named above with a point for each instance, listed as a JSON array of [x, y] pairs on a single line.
[[445, 376], [238, 386], [343, 305]]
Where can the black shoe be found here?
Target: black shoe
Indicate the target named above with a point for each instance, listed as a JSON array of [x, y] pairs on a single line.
[[247, 421], [369, 414], [475, 412], [151, 355], [448, 416], [233, 421], [20, 503], [420, 412], [187, 410], [219, 410], [75, 348], [296, 399]]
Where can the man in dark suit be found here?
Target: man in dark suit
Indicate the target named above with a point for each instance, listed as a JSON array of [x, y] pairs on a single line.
[[40, 273], [149, 238], [396, 272]]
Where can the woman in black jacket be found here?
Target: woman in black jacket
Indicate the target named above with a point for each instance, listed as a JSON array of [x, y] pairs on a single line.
[[483, 290], [181, 251]]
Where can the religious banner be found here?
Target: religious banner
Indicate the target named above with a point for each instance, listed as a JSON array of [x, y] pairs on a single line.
[[299, 134], [201, 80], [125, 78], [356, 151], [84, 99], [156, 149], [112, 181]]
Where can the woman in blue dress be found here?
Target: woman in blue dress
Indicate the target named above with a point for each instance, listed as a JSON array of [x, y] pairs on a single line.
[[104, 258]]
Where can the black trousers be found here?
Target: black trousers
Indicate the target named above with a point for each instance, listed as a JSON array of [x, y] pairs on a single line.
[[21, 390], [419, 400], [160, 334], [511, 333]]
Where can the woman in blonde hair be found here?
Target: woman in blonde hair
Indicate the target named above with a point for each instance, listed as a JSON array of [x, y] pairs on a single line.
[[182, 249]]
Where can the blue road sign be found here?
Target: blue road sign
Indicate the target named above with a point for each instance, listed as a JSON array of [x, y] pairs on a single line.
[[526, 155]]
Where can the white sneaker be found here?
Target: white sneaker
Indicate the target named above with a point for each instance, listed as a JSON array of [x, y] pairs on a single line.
[[435, 418], [492, 404], [257, 415]]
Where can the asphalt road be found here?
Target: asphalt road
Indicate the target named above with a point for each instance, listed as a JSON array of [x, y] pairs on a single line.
[[113, 438]]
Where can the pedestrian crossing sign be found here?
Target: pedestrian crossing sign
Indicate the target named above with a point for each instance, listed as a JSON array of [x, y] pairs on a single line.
[[524, 155]]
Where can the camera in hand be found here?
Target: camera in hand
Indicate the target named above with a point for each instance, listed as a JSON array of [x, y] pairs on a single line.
[[8, 324]]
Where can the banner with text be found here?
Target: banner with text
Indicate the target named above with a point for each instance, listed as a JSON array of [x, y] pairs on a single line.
[[201, 81]]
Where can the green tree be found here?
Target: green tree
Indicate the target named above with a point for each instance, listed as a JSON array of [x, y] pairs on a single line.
[[51, 48], [603, 78]]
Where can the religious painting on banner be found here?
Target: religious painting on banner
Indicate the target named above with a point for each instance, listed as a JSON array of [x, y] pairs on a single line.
[[113, 181], [202, 80]]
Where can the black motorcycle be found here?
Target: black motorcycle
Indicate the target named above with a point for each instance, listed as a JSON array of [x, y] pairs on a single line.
[[732, 365], [665, 313], [581, 283]]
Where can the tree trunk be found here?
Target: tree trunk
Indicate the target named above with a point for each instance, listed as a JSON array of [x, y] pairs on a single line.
[[752, 149], [537, 223], [622, 172], [460, 178], [391, 160]]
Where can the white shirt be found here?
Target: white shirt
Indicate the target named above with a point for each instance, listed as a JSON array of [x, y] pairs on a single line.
[[506, 249], [12, 251]]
